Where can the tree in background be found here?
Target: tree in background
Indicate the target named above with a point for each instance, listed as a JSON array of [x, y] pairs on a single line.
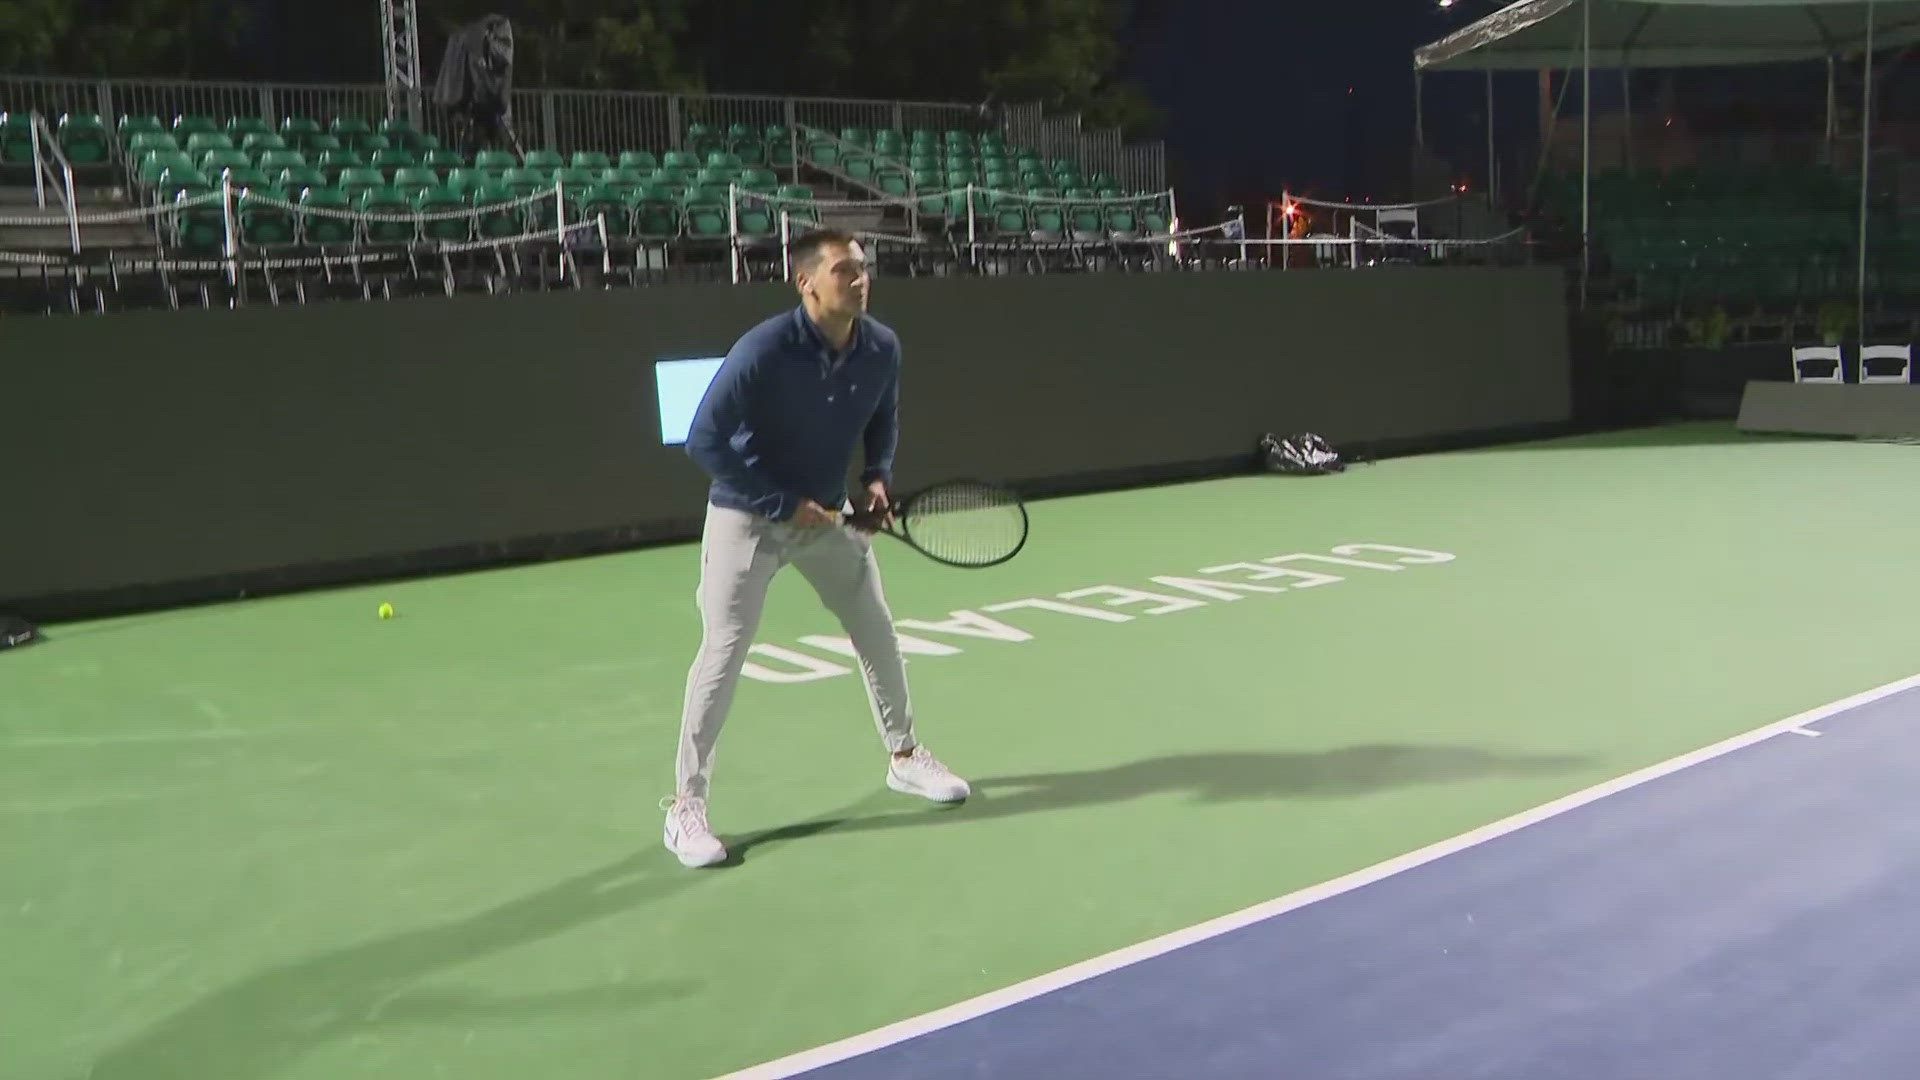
[[590, 44], [1063, 54], [177, 38]]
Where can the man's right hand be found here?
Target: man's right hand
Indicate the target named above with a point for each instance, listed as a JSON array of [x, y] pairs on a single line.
[[811, 515]]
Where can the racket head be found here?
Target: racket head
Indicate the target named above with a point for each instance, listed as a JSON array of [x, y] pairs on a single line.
[[965, 523]]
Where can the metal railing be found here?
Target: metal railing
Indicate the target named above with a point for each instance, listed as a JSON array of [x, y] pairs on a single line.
[[46, 146], [606, 120]]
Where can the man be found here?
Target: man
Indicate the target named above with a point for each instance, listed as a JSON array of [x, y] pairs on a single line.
[[476, 86], [776, 432]]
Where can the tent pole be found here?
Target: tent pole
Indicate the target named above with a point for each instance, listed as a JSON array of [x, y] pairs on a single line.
[[1866, 159], [1493, 177], [1833, 108], [1419, 111], [1626, 93], [1586, 147]]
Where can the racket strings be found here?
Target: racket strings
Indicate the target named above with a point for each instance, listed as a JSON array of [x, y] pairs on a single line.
[[968, 524]]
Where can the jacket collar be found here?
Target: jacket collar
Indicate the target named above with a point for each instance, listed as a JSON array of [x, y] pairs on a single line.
[[810, 333]]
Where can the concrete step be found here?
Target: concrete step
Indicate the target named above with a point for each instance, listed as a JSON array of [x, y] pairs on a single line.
[[56, 237], [107, 197]]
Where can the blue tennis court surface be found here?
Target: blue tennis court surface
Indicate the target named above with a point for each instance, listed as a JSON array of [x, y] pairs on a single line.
[[1751, 912]]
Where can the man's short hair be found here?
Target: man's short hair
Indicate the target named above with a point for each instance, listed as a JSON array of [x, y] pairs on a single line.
[[805, 249]]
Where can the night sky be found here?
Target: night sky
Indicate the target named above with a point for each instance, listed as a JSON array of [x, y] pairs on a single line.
[[1258, 96]]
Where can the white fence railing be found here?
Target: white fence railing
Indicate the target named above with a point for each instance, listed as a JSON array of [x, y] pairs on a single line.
[[569, 120]]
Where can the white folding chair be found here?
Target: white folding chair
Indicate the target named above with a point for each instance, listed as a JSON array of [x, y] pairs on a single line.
[[1811, 363], [1895, 364]]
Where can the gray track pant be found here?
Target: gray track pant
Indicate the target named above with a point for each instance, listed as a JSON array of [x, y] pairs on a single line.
[[739, 554]]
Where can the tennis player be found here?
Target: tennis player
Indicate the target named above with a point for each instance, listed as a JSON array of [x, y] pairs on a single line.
[[776, 433]]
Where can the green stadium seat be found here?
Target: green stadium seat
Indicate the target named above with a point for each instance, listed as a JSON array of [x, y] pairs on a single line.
[[260, 142], [131, 125], [591, 159], [495, 161], [496, 217], [858, 167], [575, 178], [440, 200], [761, 180], [299, 131], [242, 176], [751, 153], [411, 181], [187, 125], [464, 181], [526, 181], [84, 139], [721, 159], [325, 229], [443, 160], [625, 179], [680, 159], [639, 160], [202, 142], [154, 163], [315, 145], [262, 225], [272, 161], [350, 130], [175, 182], [801, 215], [822, 152], [239, 127], [388, 201], [371, 143], [16, 138], [1049, 222], [756, 221], [215, 162], [202, 227], [544, 161], [656, 215], [144, 141], [399, 133], [335, 162], [593, 201], [394, 160], [296, 179], [706, 219], [892, 180], [357, 181], [1123, 223]]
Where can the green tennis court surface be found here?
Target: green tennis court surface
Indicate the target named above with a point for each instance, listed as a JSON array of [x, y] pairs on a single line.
[[283, 838]]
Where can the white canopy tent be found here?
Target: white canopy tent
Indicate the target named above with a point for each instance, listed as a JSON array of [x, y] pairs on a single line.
[[1533, 34]]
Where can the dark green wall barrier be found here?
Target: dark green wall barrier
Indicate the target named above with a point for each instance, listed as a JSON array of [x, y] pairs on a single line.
[[164, 457]]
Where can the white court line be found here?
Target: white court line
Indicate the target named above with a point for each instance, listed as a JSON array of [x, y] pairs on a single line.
[[1101, 965]]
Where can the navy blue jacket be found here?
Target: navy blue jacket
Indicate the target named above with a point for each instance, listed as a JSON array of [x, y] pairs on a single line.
[[783, 415]]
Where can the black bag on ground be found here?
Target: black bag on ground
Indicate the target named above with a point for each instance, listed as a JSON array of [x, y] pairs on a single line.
[[16, 631], [1302, 454]]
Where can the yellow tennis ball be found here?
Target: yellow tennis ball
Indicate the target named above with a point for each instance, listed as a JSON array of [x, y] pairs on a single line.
[[386, 611]]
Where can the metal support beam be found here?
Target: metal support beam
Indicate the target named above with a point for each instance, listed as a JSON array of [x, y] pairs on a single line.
[[400, 38]]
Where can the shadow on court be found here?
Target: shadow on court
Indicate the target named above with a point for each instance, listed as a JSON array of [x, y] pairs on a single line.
[[263, 1024], [1207, 778]]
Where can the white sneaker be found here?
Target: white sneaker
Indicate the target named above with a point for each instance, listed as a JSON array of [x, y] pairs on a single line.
[[922, 774], [688, 835]]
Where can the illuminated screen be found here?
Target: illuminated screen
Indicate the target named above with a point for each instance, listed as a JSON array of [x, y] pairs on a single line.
[[681, 385]]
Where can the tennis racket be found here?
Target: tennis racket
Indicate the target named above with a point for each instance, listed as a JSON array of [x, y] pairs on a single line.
[[966, 523]]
